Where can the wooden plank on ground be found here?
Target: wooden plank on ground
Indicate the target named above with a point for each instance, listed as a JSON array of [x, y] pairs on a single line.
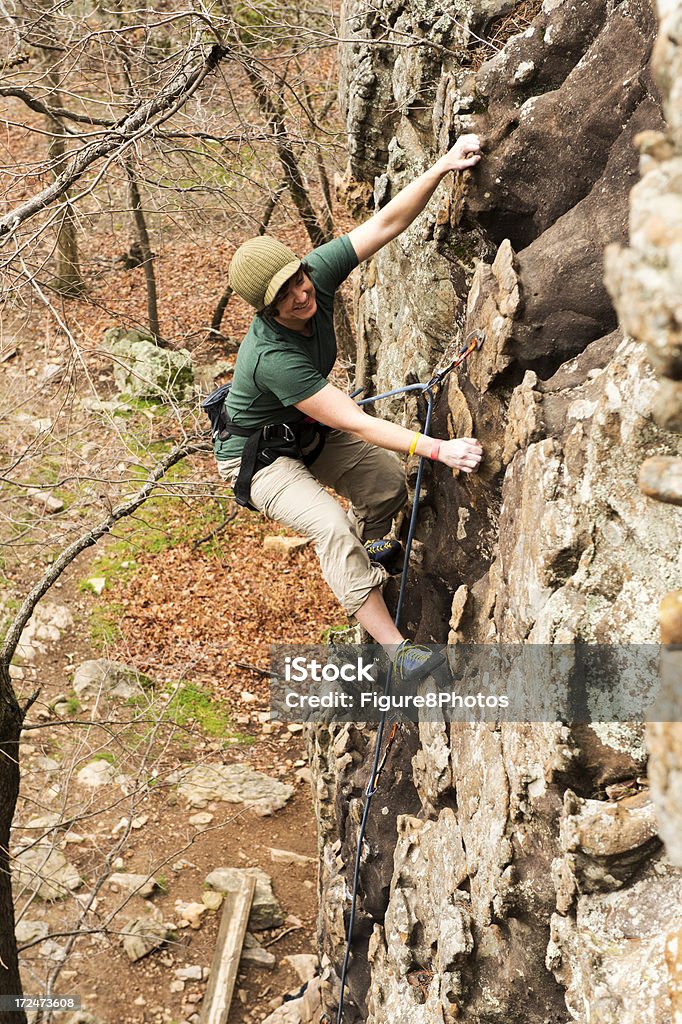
[[228, 950]]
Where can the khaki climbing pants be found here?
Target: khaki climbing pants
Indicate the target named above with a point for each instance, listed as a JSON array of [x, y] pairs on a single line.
[[294, 495]]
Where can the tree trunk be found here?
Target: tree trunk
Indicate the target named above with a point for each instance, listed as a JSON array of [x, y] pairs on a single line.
[[318, 232], [68, 278], [11, 719], [146, 253], [262, 228]]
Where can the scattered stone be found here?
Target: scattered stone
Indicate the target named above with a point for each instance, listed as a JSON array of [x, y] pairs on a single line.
[[143, 369], [140, 821], [190, 914], [46, 625], [304, 775], [101, 677], [256, 956], [177, 986], [143, 934], [46, 872], [16, 672], [212, 900], [141, 885], [30, 931], [247, 697], [44, 822], [192, 972], [53, 951], [289, 857], [48, 502], [234, 783], [286, 546], [102, 405], [306, 965], [202, 818], [295, 727], [265, 910], [83, 1017], [96, 773], [98, 583]]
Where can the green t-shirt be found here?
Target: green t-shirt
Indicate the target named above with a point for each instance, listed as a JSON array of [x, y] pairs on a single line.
[[276, 367]]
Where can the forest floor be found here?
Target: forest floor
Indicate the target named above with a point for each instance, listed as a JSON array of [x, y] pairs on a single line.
[[188, 598]]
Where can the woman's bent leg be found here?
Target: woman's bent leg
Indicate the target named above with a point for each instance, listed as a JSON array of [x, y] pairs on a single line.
[[287, 492]]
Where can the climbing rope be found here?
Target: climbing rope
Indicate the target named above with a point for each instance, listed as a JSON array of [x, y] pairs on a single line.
[[430, 390]]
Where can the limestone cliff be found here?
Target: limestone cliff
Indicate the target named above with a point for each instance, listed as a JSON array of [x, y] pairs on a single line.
[[524, 872]]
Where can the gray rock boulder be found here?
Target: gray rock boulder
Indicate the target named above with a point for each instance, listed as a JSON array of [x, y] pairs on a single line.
[[265, 909], [46, 872], [144, 934], [103, 678], [144, 370], [235, 784]]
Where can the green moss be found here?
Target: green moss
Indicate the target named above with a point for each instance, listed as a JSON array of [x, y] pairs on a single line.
[[190, 704], [105, 621], [104, 755], [73, 705]]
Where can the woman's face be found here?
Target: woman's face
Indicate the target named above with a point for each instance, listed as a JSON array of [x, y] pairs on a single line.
[[298, 304]]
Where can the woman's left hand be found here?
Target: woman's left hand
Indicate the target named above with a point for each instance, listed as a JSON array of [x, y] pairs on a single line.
[[465, 153], [463, 453]]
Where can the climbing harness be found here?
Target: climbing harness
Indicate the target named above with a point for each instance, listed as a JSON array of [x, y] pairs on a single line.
[[431, 391], [302, 439]]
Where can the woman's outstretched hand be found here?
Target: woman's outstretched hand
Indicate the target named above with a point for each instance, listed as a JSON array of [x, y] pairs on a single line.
[[464, 453], [465, 153]]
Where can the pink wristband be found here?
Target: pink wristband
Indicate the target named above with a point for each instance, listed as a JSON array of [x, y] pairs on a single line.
[[435, 451]]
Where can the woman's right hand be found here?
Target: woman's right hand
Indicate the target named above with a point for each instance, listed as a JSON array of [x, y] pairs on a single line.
[[463, 453]]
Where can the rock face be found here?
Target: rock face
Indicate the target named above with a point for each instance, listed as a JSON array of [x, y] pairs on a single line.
[[526, 872]]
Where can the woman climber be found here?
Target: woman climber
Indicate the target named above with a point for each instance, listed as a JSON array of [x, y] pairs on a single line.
[[288, 433]]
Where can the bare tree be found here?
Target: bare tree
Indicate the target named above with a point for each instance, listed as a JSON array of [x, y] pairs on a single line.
[[12, 714]]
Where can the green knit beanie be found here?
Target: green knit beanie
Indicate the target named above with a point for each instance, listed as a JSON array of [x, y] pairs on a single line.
[[259, 268]]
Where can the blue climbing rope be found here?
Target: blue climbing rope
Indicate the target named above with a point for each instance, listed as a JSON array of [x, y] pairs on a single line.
[[429, 390]]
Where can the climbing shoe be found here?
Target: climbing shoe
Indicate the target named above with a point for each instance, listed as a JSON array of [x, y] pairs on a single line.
[[387, 553], [416, 661]]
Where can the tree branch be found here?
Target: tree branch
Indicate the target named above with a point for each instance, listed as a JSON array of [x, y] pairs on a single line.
[[86, 540], [54, 112], [140, 122]]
